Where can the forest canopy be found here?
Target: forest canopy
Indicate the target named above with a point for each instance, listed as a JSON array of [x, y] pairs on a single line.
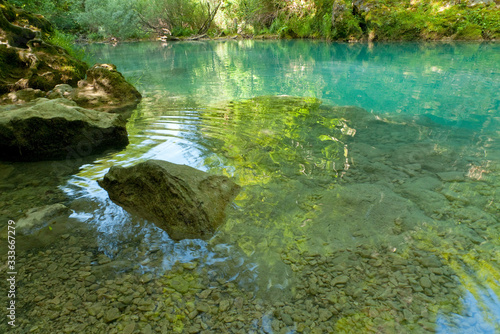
[[329, 19]]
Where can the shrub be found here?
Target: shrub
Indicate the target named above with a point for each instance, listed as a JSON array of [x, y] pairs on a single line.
[[67, 42], [112, 18]]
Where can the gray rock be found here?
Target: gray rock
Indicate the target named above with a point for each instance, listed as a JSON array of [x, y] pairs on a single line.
[[183, 201], [57, 129], [60, 91]]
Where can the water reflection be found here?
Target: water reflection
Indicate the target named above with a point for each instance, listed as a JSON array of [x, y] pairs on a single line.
[[414, 78], [481, 315]]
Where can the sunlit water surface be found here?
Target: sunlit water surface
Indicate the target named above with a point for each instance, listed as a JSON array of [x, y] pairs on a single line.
[[407, 174]]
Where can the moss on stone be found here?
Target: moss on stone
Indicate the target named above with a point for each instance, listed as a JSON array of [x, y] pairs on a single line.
[[12, 69]]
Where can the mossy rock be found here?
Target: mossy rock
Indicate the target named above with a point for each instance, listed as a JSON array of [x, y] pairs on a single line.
[[21, 18], [106, 89], [36, 22], [14, 35], [54, 66], [13, 68], [470, 32], [57, 129], [185, 202], [8, 10], [42, 66], [28, 61]]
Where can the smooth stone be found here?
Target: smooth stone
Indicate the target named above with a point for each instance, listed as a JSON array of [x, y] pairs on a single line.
[[57, 129], [103, 259], [324, 315], [425, 282], [430, 261], [451, 176], [111, 314], [37, 218], [224, 305], [146, 278], [129, 329], [454, 196]]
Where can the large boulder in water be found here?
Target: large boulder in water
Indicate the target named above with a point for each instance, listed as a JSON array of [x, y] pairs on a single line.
[[57, 129], [183, 201], [28, 59]]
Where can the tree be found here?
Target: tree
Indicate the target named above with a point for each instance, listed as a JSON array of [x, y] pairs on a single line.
[[212, 7], [177, 17]]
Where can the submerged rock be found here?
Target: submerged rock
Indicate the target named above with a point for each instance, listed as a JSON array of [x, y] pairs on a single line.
[[57, 129], [183, 201]]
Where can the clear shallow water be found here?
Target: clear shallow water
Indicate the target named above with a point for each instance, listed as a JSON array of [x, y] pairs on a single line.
[[398, 193]]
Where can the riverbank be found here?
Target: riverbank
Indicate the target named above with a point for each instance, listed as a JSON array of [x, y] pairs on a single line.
[[332, 20]]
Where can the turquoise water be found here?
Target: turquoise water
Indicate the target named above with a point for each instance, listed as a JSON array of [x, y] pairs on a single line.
[[369, 174]]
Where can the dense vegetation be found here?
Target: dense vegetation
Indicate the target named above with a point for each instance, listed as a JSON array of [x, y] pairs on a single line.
[[330, 19]]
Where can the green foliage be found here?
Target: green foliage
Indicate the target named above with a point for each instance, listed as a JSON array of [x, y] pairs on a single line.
[[112, 18], [59, 12], [469, 31], [381, 19], [67, 42], [326, 27], [176, 17], [397, 23], [433, 20]]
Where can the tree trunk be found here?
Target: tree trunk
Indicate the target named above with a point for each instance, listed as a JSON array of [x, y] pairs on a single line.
[[210, 17]]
